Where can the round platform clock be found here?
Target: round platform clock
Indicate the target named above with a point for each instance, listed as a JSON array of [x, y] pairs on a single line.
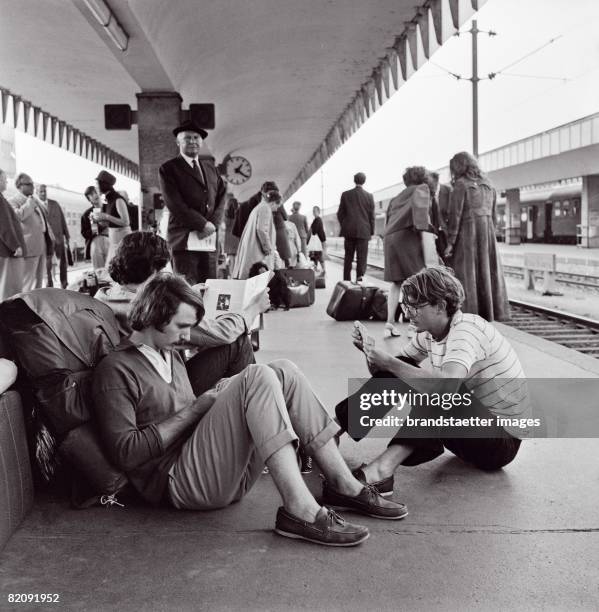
[[238, 170]]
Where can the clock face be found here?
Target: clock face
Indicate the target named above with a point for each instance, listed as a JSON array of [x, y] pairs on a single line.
[[237, 170]]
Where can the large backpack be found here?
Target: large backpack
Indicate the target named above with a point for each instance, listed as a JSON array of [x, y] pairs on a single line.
[[58, 337]]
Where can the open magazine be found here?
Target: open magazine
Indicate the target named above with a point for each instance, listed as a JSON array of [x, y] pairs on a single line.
[[225, 295]]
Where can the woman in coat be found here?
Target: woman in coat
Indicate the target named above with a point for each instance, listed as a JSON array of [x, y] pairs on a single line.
[[472, 247], [279, 217], [259, 240], [407, 218], [12, 247]]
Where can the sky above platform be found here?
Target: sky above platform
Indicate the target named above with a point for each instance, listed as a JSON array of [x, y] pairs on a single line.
[[430, 117]]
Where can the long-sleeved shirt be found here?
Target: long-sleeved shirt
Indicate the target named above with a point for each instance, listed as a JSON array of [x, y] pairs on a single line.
[[130, 399]]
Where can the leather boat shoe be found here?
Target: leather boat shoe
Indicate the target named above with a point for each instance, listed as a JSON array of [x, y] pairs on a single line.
[[384, 487], [328, 529], [368, 501]]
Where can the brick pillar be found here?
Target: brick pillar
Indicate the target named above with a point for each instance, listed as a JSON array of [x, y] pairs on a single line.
[[158, 113], [512, 216], [589, 212]]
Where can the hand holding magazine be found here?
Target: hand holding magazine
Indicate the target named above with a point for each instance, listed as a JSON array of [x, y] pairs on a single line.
[[195, 242], [225, 295]]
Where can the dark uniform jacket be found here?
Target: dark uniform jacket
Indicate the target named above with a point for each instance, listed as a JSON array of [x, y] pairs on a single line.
[[191, 203], [57, 222], [356, 213], [11, 232]]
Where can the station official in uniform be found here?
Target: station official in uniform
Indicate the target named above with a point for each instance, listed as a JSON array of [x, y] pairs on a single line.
[[194, 194]]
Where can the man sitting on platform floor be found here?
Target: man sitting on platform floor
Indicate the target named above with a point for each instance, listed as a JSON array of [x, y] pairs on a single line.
[[206, 453], [476, 358]]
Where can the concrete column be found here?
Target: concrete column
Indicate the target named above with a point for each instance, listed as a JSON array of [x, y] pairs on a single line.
[[589, 213], [512, 216], [158, 113]]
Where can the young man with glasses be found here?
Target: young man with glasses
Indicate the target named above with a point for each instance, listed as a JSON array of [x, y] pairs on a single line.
[[468, 357]]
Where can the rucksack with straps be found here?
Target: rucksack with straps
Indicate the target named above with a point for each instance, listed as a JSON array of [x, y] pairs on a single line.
[[58, 337]]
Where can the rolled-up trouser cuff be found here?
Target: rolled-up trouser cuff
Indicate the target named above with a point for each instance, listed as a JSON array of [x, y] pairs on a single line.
[[272, 445], [322, 437]]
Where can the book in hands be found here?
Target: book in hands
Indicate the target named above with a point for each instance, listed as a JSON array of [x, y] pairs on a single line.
[[222, 296]]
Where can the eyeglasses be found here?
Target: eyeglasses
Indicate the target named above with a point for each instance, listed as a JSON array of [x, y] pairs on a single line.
[[22, 183], [413, 308]]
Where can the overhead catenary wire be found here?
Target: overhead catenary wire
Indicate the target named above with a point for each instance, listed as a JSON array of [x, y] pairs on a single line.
[[530, 76], [530, 53]]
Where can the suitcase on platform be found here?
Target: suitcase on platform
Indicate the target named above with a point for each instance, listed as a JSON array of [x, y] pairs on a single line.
[[378, 307], [16, 481], [296, 280], [350, 301]]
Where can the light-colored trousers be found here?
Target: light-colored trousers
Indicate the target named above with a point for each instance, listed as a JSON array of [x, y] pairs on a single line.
[[34, 269], [11, 276], [115, 235], [98, 251], [261, 410]]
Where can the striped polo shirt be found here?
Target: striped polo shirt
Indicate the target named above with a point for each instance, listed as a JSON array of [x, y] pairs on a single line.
[[495, 375]]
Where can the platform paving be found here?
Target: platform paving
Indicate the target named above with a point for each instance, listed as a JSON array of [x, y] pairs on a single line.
[[523, 538]]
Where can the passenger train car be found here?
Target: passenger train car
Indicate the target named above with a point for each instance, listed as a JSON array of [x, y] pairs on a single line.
[[548, 215], [73, 205]]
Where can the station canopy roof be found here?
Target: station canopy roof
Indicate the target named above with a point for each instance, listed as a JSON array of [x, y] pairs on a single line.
[[291, 79]]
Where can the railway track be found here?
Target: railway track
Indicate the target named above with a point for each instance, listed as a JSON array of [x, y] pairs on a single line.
[[578, 333]]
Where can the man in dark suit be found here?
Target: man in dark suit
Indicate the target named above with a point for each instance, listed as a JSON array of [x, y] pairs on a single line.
[[356, 218], [194, 194], [441, 195], [58, 223], [301, 222]]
